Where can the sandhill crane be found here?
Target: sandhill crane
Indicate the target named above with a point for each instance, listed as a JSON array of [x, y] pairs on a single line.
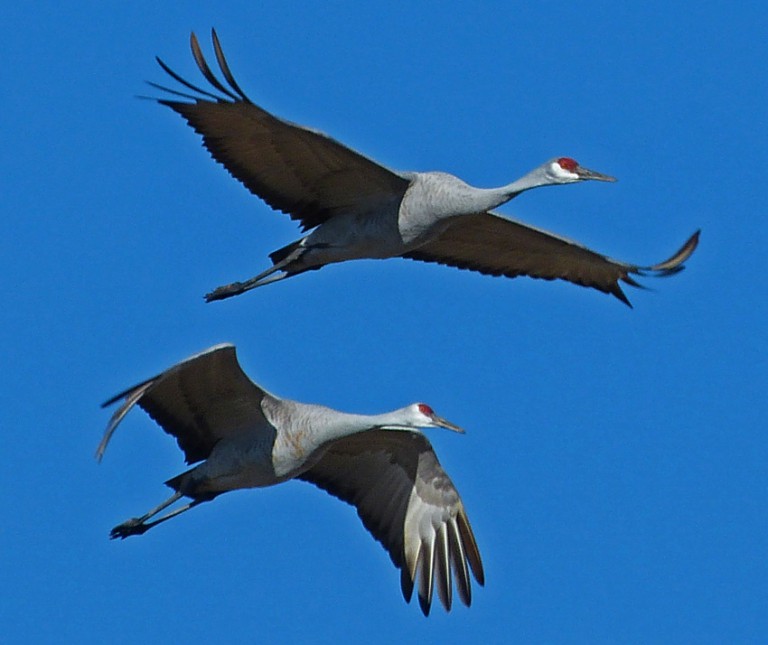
[[246, 437], [360, 209]]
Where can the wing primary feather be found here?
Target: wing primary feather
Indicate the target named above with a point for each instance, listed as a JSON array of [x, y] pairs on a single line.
[[665, 273], [127, 391], [170, 91], [131, 398], [406, 583], [426, 573], [674, 264], [225, 67], [631, 281], [617, 291], [459, 560], [186, 83], [203, 65], [470, 548], [443, 568], [411, 564]]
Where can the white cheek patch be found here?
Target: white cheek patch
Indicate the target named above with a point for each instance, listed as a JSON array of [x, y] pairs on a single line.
[[561, 173]]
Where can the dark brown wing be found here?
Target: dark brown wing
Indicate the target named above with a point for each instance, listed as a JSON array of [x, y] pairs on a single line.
[[294, 169], [409, 504], [498, 246], [199, 401]]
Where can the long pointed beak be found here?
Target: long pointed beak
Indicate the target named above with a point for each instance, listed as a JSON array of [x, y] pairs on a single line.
[[444, 423], [586, 173]]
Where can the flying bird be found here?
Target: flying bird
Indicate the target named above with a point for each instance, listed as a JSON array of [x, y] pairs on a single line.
[[352, 207], [381, 464]]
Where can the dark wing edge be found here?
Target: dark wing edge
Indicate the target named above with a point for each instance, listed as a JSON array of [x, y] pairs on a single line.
[[198, 400], [673, 264], [409, 505], [498, 246], [234, 94], [294, 169]]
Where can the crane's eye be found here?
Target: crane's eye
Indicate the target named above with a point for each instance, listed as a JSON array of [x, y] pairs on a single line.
[[426, 410], [566, 163]]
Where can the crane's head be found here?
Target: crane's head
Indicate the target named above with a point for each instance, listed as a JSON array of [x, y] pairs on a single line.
[[565, 170], [417, 415], [561, 170], [423, 416]]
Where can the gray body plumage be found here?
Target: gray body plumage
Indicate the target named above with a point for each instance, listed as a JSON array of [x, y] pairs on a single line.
[[245, 437], [356, 208], [425, 211]]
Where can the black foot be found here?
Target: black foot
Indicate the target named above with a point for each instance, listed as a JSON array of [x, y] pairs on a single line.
[[134, 526], [227, 291]]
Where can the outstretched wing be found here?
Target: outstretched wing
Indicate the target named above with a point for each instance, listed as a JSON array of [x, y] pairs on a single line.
[[294, 169], [409, 504], [199, 401], [495, 245]]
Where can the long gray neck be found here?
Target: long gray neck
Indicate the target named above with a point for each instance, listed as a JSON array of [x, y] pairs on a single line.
[[493, 197], [533, 179], [316, 425], [342, 424]]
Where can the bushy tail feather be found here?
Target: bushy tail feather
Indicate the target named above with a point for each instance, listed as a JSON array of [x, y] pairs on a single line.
[[280, 255], [180, 483], [284, 254]]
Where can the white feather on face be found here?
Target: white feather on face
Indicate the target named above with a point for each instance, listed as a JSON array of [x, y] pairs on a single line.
[[562, 173]]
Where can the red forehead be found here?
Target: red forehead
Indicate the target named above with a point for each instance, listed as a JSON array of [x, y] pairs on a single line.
[[426, 410], [568, 164]]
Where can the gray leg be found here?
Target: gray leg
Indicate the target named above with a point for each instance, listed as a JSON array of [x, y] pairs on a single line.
[[139, 525], [236, 288]]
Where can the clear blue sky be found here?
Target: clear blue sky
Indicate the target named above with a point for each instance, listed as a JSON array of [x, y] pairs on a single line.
[[614, 466]]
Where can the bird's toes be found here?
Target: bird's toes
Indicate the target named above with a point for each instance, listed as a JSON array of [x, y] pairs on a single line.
[[219, 293], [134, 526]]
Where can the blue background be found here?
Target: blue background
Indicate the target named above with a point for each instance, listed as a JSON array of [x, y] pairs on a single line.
[[614, 466]]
